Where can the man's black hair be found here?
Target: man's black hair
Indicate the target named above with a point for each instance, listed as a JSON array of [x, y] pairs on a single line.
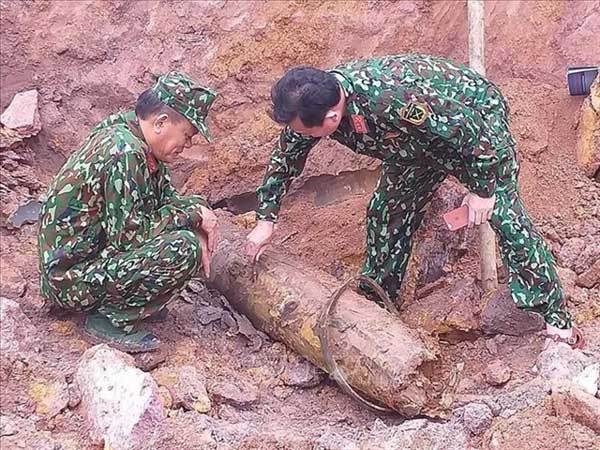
[[306, 93], [148, 104]]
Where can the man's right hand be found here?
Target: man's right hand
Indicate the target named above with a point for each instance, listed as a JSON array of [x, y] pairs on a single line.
[[258, 239]]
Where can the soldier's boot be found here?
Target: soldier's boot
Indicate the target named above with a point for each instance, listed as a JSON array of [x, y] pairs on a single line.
[[99, 328]]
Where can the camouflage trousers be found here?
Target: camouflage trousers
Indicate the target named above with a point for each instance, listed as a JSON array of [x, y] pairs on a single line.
[[128, 287], [397, 208]]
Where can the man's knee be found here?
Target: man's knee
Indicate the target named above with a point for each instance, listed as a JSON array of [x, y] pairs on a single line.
[[187, 247]]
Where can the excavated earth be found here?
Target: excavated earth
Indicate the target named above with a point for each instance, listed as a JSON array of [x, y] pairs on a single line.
[[88, 59]]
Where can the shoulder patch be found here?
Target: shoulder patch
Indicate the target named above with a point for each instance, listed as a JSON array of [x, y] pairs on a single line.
[[415, 113]]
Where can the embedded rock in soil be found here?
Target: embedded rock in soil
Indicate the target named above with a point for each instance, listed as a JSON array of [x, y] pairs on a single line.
[[121, 404], [186, 385], [501, 316], [22, 114], [452, 312], [477, 417], [497, 373], [234, 395], [583, 408]]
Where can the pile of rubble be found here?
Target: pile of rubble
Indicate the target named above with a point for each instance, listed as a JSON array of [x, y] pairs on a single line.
[[18, 181]]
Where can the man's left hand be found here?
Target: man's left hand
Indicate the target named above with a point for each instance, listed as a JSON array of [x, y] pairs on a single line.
[[210, 226], [480, 208]]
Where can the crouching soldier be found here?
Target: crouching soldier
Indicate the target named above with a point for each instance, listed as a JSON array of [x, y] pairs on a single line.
[[115, 238]]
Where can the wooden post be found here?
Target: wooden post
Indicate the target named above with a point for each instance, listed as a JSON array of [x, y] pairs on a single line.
[[487, 238]]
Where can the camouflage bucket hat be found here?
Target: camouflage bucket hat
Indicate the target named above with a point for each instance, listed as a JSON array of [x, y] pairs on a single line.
[[184, 95]]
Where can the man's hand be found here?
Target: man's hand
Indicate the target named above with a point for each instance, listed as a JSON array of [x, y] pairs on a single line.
[[259, 238], [206, 255], [210, 227], [480, 209]]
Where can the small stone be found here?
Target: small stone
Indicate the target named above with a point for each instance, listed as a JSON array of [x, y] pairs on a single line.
[[22, 114], [187, 386], [501, 316], [121, 404], [233, 395], [74, 395], [577, 405], [590, 277], [506, 413], [301, 373], [167, 398], [148, 361], [491, 347], [7, 426], [477, 418], [497, 373]]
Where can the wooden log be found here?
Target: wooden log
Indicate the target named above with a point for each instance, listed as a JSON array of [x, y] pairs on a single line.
[[487, 237], [379, 355]]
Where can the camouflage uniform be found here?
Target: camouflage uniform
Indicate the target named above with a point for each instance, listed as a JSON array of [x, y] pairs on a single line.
[[426, 118], [114, 234]]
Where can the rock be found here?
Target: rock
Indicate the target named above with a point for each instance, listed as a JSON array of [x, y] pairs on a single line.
[[7, 426], [583, 408], [9, 138], [17, 336], [528, 395], [301, 373], [50, 397], [74, 395], [477, 417], [567, 279], [580, 255], [187, 387], [22, 114], [491, 347], [501, 316], [588, 144], [148, 361], [559, 362], [590, 277], [497, 373], [587, 380], [452, 311], [571, 251], [121, 404], [233, 395], [12, 283], [417, 434], [333, 441]]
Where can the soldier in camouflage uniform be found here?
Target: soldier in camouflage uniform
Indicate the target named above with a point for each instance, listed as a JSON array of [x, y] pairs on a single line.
[[425, 118], [115, 238]]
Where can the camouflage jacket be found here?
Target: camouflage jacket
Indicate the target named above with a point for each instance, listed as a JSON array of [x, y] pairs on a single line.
[[405, 110], [110, 196]]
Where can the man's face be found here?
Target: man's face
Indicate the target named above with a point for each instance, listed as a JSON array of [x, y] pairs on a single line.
[[170, 137], [329, 125]]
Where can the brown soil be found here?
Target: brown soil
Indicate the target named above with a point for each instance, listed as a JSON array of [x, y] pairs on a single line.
[[91, 58]]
